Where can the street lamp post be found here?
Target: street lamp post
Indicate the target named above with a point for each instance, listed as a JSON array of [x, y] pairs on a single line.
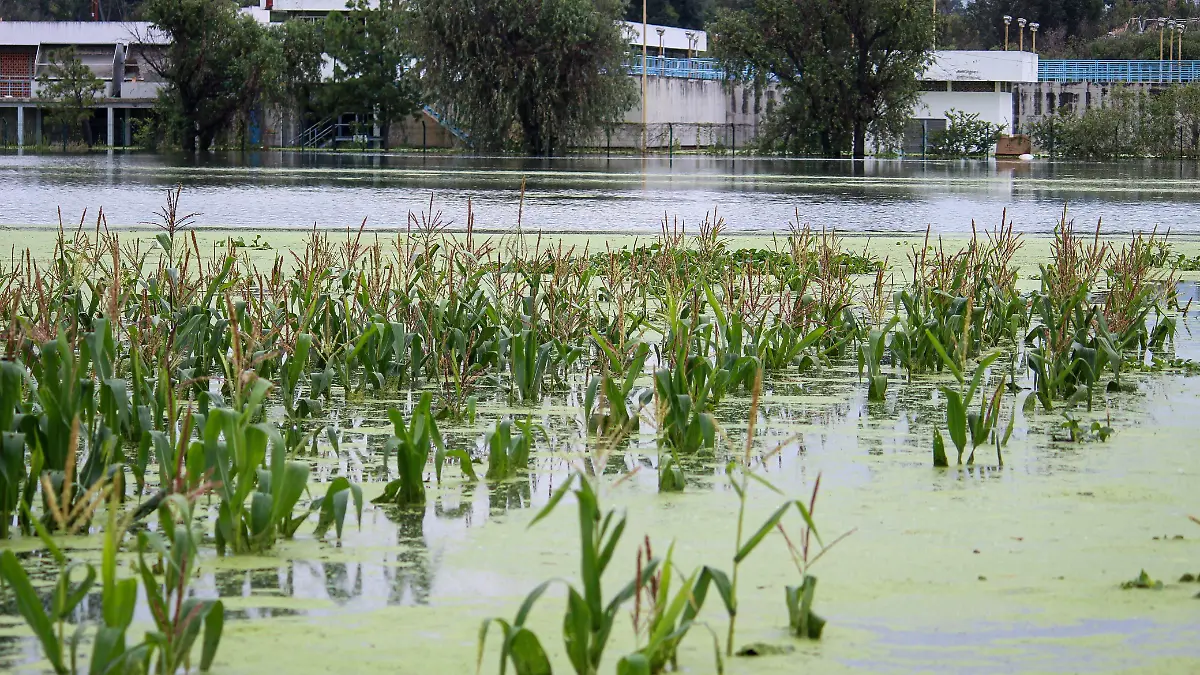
[[1179, 52], [1161, 22], [1007, 20], [660, 32], [1021, 32], [1033, 27], [1171, 32], [644, 26]]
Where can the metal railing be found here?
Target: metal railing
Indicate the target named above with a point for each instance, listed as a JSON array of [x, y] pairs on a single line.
[[665, 66], [449, 126], [316, 135], [1080, 70], [16, 87]]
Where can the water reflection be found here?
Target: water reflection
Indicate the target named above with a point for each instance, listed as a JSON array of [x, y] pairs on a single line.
[[596, 194]]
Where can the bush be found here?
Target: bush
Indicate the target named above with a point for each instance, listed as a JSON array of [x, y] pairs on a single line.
[[965, 136]]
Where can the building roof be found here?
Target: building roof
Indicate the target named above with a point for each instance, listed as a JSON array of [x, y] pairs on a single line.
[[982, 66], [672, 38], [34, 33], [309, 5]]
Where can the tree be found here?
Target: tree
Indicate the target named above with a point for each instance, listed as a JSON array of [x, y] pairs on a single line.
[[67, 10], [1075, 18], [301, 44], [681, 13], [848, 67], [217, 66], [529, 75], [371, 63], [70, 88]]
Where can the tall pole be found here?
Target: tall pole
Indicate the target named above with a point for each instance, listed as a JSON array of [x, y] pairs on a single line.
[[1160, 37], [644, 27], [1007, 20]]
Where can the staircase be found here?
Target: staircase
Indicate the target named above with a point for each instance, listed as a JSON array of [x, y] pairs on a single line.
[[448, 125], [318, 135]]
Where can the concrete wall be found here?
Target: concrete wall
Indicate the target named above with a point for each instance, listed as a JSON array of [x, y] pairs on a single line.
[[692, 114], [994, 107], [1038, 99], [982, 66]]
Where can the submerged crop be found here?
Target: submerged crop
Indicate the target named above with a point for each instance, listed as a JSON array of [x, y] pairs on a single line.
[[200, 373]]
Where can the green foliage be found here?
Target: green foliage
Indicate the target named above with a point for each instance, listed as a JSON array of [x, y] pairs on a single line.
[[180, 620], [801, 619], [848, 68], [528, 364], [620, 374], [965, 136], [412, 445], [508, 453], [533, 77], [218, 64], [1130, 124], [965, 424], [684, 423], [70, 90], [235, 450], [590, 616], [681, 13], [372, 58], [870, 359]]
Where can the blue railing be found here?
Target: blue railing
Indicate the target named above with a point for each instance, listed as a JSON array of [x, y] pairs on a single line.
[[1079, 70], [445, 122], [665, 66]]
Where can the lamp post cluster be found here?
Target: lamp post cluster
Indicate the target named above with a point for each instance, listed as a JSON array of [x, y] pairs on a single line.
[[1171, 27], [1021, 24]]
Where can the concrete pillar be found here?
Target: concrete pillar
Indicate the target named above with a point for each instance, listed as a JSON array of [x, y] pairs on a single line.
[[37, 128], [20, 126], [109, 127], [128, 130]]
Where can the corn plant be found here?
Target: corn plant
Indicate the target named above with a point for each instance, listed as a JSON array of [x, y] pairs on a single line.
[[508, 453], [782, 345], [528, 364], [805, 623], [12, 444], [683, 421], [48, 623], [412, 445], [664, 616], [235, 450], [966, 425], [870, 358], [179, 618], [616, 386], [590, 616]]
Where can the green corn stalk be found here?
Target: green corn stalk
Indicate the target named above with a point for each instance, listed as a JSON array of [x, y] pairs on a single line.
[[508, 453], [412, 444]]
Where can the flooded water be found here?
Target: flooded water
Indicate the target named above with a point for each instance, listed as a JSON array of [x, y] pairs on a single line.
[[994, 568], [599, 194]]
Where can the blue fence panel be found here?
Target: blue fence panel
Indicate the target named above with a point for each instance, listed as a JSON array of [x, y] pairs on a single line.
[[665, 66], [1079, 70]]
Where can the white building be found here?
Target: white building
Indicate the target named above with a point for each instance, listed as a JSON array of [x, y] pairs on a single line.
[[116, 53], [978, 82]]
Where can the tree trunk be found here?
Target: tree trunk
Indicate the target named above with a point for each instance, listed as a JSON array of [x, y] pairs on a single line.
[[860, 140], [385, 130]]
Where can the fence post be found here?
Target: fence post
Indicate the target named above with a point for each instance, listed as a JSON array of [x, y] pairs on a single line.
[[424, 144], [732, 138], [670, 140]]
